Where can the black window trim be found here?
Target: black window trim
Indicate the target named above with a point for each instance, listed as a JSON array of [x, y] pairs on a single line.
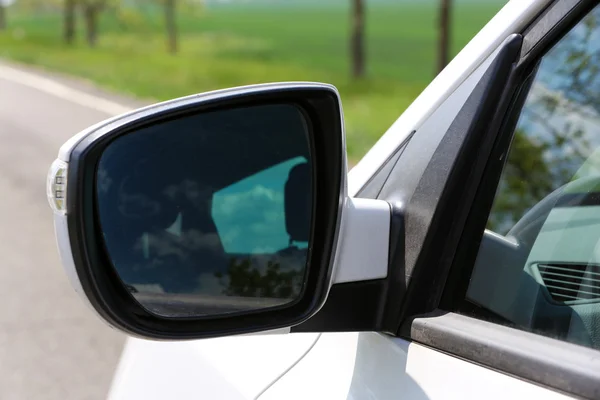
[[562, 366], [453, 297]]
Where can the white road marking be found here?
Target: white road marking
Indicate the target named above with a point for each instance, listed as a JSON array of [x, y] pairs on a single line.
[[61, 91]]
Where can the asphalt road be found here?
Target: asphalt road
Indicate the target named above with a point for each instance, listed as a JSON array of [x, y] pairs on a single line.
[[51, 346]]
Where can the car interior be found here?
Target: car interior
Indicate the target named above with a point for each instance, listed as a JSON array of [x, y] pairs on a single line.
[[544, 275]]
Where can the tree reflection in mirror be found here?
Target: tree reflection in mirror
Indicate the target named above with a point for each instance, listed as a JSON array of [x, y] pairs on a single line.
[[210, 213]]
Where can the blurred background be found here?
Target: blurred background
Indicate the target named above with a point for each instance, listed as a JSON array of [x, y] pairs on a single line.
[[67, 64], [379, 53]]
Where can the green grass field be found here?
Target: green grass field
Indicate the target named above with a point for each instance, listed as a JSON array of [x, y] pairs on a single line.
[[235, 45]]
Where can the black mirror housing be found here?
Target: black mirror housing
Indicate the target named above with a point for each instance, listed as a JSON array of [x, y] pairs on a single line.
[[81, 225]]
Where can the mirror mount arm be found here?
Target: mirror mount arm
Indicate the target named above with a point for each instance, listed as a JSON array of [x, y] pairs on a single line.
[[362, 252], [363, 270]]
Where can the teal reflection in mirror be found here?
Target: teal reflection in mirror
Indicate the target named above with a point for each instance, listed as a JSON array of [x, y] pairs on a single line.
[[250, 214], [210, 213]]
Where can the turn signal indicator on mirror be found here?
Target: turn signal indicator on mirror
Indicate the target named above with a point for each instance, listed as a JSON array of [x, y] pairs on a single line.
[[56, 186]]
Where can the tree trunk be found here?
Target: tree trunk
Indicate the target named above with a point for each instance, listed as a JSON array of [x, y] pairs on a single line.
[[444, 34], [2, 18], [357, 46], [171, 26], [90, 14], [69, 21]]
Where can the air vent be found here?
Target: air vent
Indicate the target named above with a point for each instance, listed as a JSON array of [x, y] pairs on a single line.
[[571, 283]]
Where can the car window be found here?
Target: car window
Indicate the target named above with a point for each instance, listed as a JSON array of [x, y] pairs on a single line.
[[250, 214], [538, 265]]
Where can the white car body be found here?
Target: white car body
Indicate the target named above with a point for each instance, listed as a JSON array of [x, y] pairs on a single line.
[[365, 365]]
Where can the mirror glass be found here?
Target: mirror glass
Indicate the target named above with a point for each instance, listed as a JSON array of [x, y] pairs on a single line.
[[210, 213]]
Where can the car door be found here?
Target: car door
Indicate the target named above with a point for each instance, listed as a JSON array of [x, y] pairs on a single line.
[[495, 196]]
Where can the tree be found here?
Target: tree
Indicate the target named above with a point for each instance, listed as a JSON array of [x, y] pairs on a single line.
[[248, 281], [91, 10], [556, 133], [3, 6], [69, 20], [444, 34], [171, 25], [2, 17], [357, 45]]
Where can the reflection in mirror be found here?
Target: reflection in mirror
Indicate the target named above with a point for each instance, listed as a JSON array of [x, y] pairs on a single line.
[[557, 138], [210, 213]]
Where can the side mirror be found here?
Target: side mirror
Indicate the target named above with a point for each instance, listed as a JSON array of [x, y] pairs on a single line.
[[209, 215]]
